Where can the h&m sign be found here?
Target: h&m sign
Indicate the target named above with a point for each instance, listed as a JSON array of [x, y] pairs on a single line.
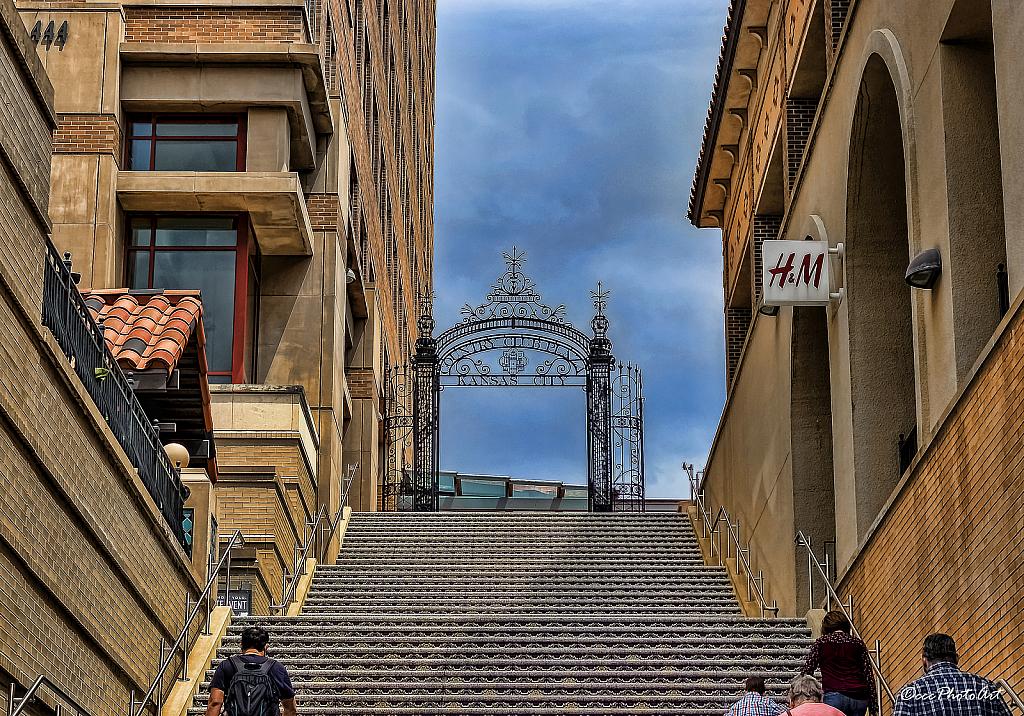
[[795, 273]]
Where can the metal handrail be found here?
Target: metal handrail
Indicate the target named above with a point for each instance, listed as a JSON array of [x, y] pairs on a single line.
[[742, 554], [846, 609], [341, 509], [299, 568], [183, 636], [81, 339], [13, 710], [1005, 686]]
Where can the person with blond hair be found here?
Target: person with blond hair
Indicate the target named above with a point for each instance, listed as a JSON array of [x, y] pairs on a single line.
[[805, 698]]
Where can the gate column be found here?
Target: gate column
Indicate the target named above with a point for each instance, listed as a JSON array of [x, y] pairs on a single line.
[[599, 410], [426, 400]]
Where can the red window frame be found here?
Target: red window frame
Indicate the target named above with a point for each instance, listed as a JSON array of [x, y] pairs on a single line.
[[196, 119], [243, 245]]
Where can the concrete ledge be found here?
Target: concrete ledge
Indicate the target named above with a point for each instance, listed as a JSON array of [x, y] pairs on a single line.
[[250, 55], [739, 584], [199, 660], [273, 201], [295, 608]]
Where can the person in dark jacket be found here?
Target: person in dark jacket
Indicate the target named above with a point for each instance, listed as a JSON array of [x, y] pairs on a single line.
[[846, 673]]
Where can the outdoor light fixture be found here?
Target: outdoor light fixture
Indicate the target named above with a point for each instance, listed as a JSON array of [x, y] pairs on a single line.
[[350, 276], [924, 270], [766, 310]]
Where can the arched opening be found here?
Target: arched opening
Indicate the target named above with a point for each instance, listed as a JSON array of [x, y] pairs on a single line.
[[974, 190], [879, 307], [814, 495]]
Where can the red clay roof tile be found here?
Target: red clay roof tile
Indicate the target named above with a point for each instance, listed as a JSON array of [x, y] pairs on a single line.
[[147, 330]]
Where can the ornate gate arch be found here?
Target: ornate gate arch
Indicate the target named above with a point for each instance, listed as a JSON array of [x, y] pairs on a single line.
[[498, 343]]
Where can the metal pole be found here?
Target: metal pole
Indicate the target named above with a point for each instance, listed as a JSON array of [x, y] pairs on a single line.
[[227, 581], [160, 687], [184, 643], [810, 576], [827, 593], [10, 701]]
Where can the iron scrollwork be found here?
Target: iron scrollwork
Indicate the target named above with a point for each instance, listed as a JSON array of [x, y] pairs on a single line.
[[515, 324]]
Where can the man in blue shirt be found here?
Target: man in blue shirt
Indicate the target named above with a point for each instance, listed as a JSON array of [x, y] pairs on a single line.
[[754, 702], [254, 651], [945, 690]]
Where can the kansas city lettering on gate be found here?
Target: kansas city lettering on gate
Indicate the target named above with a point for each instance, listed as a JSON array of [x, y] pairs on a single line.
[[535, 343], [510, 380]]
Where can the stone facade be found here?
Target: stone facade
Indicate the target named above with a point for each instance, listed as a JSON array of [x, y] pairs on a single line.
[[93, 577], [889, 129], [332, 191]]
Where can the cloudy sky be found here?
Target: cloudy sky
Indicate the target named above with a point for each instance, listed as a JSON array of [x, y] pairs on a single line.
[[570, 129]]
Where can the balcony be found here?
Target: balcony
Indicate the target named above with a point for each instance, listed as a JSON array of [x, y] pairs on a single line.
[[68, 317], [273, 201]]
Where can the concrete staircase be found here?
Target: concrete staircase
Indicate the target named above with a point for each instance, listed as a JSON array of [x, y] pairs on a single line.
[[528, 613]]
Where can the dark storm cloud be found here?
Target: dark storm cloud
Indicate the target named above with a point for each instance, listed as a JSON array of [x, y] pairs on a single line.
[[571, 129]]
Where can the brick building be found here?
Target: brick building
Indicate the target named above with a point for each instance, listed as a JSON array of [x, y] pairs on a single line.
[[277, 157], [93, 573], [885, 425]]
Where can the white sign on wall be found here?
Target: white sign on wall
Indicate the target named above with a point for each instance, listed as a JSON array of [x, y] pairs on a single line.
[[795, 273]]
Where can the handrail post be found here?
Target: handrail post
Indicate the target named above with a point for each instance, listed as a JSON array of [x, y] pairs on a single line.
[[810, 577]]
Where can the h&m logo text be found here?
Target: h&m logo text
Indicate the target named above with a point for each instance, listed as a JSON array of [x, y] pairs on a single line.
[[809, 272]]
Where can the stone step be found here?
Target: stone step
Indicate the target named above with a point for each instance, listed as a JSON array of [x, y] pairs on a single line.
[[532, 613]]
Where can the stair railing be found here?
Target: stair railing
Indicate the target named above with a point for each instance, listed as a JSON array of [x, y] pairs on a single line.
[[711, 527], [181, 643], [313, 529], [1015, 700], [755, 585], [15, 706], [874, 655], [349, 479]]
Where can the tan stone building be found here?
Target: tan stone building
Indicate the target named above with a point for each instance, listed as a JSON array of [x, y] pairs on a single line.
[[887, 423], [275, 155], [92, 566]]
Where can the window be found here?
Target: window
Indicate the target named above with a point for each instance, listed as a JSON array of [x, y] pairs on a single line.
[[186, 143], [212, 253]]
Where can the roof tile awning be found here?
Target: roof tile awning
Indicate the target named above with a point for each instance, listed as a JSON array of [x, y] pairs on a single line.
[[273, 201], [158, 335]]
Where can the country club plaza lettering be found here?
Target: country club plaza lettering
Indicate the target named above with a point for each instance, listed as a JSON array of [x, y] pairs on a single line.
[[482, 345]]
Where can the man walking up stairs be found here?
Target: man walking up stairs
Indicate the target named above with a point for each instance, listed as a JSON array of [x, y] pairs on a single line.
[[524, 613]]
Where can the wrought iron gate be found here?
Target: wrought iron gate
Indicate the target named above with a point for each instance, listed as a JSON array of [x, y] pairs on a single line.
[[515, 340]]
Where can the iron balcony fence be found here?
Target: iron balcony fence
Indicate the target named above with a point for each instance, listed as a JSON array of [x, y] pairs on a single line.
[[81, 340]]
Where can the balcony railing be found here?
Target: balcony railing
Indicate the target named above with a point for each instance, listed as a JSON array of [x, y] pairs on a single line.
[[81, 340]]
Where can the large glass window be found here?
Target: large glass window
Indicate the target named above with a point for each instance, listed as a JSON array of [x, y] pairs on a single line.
[[211, 253], [186, 143]]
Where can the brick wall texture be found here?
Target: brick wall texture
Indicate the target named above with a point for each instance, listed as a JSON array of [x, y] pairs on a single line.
[[214, 25], [87, 133], [361, 383], [737, 323], [948, 554], [323, 211], [799, 118], [835, 17], [89, 582], [766, 228], [21, 117]]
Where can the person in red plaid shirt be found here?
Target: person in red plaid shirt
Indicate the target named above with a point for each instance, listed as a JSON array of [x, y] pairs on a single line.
[[754, 702], [846, 674]]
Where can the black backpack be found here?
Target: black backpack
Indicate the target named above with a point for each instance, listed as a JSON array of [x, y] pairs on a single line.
[[251, 691]]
